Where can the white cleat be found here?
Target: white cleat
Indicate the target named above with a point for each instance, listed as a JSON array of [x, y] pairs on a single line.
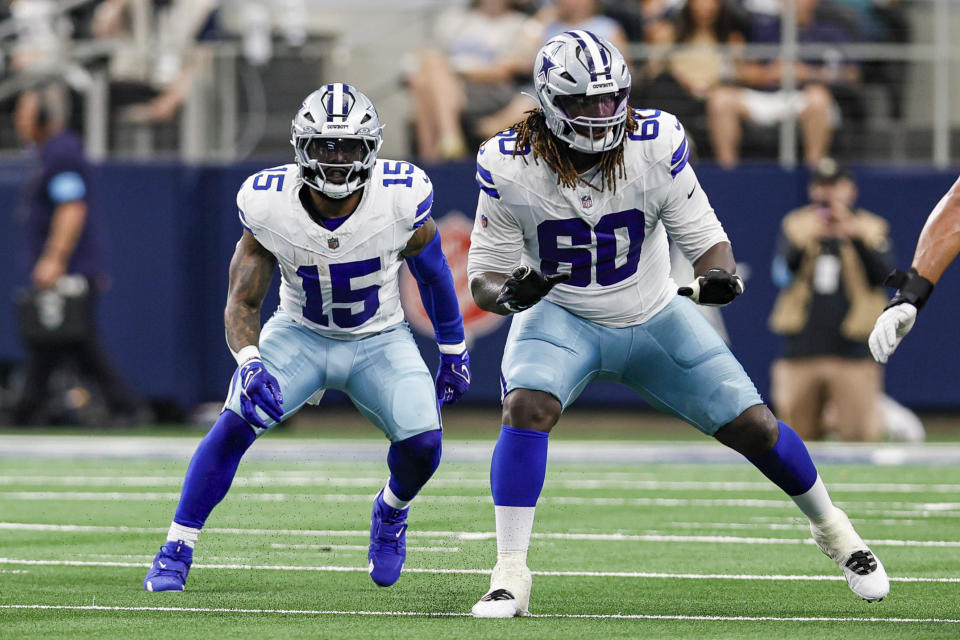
[[862, 569], [509, 594]]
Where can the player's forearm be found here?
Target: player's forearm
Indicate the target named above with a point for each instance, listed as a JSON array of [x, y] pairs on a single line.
[[939, 241], [719, 256], [65, 230], [485, 289], [251, 270]]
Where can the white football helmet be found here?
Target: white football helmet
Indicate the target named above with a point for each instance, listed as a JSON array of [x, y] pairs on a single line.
[[582, 84], [336, 135]]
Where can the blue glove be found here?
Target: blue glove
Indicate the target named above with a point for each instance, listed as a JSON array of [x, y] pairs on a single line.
[[453, 376], [259, 389]]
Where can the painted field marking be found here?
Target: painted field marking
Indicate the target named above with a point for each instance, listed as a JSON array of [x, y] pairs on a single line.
[[302, 479], [356, 547], [476, 535], [564, 574], [448, 614], [947, 509]]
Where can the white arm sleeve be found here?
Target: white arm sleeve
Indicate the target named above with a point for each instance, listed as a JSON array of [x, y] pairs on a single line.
[[496, 243], [688, 216]]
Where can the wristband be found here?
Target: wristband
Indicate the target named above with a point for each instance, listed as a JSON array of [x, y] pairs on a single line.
[[249, 352], [452, 349], [912, 288]]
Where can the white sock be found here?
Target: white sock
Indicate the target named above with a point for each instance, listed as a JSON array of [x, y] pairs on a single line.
[[815, 502], [179, 532], [392, 500], [514, 526]]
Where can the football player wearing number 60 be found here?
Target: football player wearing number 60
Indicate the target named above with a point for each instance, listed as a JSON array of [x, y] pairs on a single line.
[[576, 204], [338, 223]]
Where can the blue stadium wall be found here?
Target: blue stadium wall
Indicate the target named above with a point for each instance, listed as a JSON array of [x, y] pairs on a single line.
[[172, 228]]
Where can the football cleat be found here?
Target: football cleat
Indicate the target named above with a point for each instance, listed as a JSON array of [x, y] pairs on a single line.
[[388, 542], [170, 567], [863, 570], [509, 594]]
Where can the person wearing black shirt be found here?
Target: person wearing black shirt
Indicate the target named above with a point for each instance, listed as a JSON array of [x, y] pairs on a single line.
[[62, 255], [831, 264]]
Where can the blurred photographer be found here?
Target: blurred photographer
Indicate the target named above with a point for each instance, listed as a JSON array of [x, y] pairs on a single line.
[[830, 265], [61, 251]]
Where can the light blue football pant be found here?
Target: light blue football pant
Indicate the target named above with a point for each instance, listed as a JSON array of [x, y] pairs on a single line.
[[675, 361], [383, 374]]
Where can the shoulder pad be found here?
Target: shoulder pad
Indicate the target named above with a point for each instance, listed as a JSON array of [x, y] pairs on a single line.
[[408, 187], [660, 141], [499, 162], [260, 190]]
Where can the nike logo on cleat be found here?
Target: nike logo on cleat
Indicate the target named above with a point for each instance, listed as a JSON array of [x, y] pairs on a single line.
[[161, 565], [496, 595]]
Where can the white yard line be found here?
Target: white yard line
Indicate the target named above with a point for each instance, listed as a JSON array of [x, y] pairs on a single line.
[[945, 509], [363, 569], [301, 479], [356, 547], [448, 614], [472, 535], [478, 450]]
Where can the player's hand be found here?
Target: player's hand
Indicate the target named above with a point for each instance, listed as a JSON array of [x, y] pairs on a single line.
[[892, 325], [716, 288], [261, 390], [526, 286], [453, 376]]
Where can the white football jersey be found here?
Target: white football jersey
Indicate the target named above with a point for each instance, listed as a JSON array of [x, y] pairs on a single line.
[[340, 283], [612, 243]]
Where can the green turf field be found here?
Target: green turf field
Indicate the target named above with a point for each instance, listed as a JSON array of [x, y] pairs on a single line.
[[688, 550]]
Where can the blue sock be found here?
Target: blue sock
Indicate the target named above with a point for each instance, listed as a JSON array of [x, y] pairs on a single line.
[[788, 464], [412, 462], [212, 469], [518, 467]]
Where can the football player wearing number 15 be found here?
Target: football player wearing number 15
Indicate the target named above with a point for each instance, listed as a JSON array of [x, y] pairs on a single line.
[[571, 230], [338, 223]]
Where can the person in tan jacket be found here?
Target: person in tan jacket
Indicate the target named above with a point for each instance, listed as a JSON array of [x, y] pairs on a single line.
[[831, 265]]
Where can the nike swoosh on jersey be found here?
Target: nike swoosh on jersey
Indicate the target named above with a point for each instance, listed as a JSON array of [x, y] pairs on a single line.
[[689, 195]]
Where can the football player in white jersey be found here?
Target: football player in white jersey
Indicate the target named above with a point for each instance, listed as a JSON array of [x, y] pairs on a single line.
[[571, 231], [338, 223], [938, 246]]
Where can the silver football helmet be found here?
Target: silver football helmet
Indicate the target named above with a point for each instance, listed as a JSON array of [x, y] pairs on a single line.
[[582, 84], [336, 135]]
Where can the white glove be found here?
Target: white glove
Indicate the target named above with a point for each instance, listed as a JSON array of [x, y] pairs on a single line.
[[892, 325]]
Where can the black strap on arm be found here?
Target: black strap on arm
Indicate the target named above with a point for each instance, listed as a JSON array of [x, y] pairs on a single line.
[[911, 287]]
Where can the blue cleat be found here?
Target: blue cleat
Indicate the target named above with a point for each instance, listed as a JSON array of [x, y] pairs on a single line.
[[388, 542], [170, 567]]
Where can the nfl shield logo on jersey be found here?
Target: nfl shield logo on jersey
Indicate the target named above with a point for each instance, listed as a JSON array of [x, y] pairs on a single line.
[[586, 201], [333, 243]]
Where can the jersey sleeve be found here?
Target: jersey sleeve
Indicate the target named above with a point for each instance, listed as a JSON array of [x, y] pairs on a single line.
[[496, 242], [242, 206], [423, 196], [686, 211]]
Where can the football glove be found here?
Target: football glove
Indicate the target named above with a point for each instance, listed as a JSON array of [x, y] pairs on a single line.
[[716, 288], [526, 286], [453, 376], [259, 389], [891, 327], [900, 314]]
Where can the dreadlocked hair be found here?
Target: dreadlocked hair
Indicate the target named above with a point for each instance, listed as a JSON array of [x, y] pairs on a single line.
[[533, 133]]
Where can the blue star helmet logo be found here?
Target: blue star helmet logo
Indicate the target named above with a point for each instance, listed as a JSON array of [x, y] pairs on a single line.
[[545, 66]]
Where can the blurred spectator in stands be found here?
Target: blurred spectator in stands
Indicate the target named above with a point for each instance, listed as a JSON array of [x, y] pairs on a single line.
[[158, 56], [697, 63], [553, 19], [761, 100], [830, 265], [472, 73], [61, 249]]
